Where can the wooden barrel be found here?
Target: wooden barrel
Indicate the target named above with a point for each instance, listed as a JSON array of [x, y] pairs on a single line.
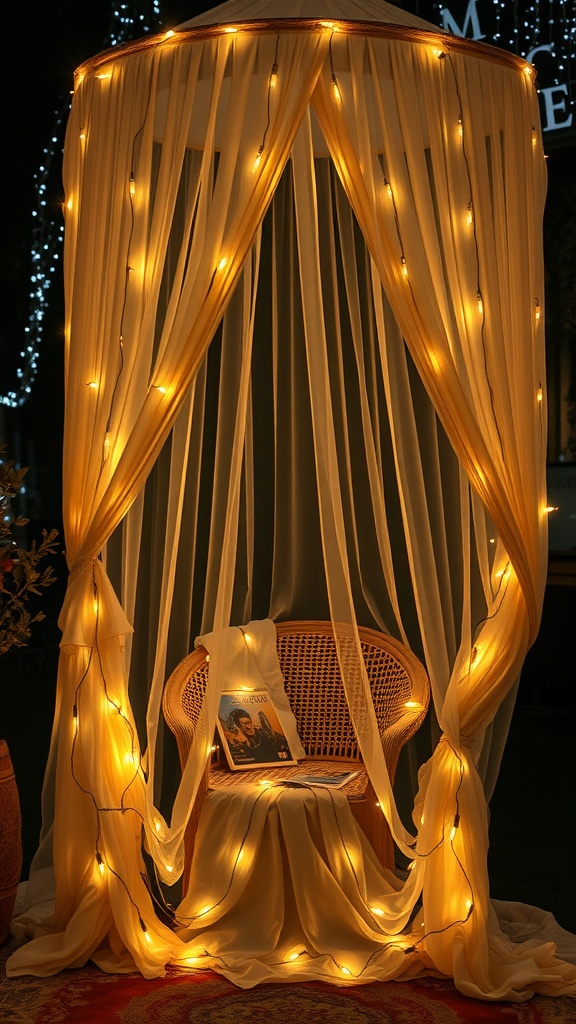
[[10, 841]]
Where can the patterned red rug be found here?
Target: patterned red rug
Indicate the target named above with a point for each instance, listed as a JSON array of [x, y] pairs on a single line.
[[87, 996]]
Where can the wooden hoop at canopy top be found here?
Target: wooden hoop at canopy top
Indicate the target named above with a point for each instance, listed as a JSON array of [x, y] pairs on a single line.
[[403, 33]]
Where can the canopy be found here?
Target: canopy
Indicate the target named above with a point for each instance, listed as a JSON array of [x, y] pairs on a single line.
[[348, 204]]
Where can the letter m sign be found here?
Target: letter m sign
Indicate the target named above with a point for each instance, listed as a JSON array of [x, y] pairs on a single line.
[[470, 20]]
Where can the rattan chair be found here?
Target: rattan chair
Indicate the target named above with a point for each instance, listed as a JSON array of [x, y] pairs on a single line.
[[308, 660]]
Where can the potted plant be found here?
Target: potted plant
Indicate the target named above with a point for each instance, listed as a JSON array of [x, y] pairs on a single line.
[[21, 578]]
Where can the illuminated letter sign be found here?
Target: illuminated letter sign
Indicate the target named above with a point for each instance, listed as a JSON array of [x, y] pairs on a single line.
[[513, 26], [470, 18]]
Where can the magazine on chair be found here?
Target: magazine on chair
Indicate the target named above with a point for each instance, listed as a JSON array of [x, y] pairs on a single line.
[[250, 731]]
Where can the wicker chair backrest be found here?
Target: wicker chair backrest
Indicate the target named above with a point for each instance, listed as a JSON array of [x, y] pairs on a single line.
[[309, 663], [313, 683]]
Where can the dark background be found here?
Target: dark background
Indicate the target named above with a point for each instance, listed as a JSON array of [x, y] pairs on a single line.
[[533, 817]]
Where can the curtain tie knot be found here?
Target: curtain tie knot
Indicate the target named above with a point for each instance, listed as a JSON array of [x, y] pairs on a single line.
[[80, 565]]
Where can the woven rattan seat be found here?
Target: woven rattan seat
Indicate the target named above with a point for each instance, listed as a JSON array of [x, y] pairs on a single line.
[[309, 663]]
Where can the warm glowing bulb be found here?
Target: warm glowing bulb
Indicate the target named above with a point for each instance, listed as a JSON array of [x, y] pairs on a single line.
[[469, 216], [378, 911], [403, 267], [327, 24], [207, 657], [435, 361], [258, 159], [169, 868], [388, 188], [157, 824], [537, 310], [248, 639], [103, 76], [335, 90], [439, 54], [222, 263], [479, 303], [160, 388], [528, 70], [468, 905], [169, 33], [273, 77], [551, 508], [230, 30], [293, 956], [92, 384], [413, 704], [460, 129], [492, 540], [205, 910], [540, 394], [132, 184], [345, 970], [95, 606]]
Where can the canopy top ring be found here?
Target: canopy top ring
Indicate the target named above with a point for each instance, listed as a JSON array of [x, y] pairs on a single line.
[[444, 41]]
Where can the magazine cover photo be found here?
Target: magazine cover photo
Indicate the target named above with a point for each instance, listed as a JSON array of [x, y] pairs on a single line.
[[250, 730]]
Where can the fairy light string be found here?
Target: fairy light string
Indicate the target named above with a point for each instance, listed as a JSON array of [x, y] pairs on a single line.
[[503, 581], [95, 648], [128, 21], [396, 942], [335, 87], [272, 85], [479, 293], [179, 920], [127, 266], [100, 855]]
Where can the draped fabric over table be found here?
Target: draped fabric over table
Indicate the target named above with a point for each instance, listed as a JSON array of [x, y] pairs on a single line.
[[304, 378]]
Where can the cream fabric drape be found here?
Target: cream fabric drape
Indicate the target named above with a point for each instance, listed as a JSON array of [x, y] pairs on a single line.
[[462, 298], [173, 155], [119, 229]]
